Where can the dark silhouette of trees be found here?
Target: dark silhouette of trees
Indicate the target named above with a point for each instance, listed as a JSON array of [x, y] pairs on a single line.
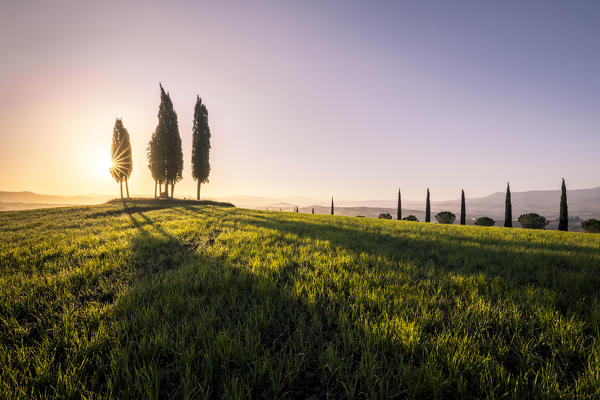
[[463, 211], [445, 217], [485, 221], [122, 163], [410, 218], [156, 161], [591, 225], [399, 212], [508, 208], [165, 157], [332, 209], [533, 221], [427, 208], [563, 223], [385, 216], [200, 145], [313, 210]]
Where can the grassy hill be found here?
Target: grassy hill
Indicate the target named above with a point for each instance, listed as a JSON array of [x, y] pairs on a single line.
[[161, 299]]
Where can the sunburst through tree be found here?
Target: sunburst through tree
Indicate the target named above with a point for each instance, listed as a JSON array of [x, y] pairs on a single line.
[[122, 163]]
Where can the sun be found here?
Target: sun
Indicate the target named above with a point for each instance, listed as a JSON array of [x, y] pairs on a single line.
[[101, 164]]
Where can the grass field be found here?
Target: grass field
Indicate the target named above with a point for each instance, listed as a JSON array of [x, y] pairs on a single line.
[[159, 299]]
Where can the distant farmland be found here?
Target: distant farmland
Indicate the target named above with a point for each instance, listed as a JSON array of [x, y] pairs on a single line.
[[173, 299]]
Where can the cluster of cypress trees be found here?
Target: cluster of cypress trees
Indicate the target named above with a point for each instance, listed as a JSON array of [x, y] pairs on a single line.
[[563, 224], [164, 152], [165, 157]]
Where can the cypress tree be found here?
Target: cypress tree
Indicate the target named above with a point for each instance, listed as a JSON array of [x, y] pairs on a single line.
[[463, 211], [508, 208], [122, 163], [313, 210], [156, 161], [332, 210], [399, 213], [168, 143], [427, 208], [200, 145], [563, 224]]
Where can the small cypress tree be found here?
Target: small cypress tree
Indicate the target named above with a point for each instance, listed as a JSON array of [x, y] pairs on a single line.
[[332, 210], [156, 161], [399, 213], [427, 208], [563, 224], [122, 164], [463, 211], [508, 208], [313, 210], [200, 145]]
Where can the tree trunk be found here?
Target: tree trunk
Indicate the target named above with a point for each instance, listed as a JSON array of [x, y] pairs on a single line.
[[127, 187], [172, 189], [198, 192], [154, 189], [121, 184]]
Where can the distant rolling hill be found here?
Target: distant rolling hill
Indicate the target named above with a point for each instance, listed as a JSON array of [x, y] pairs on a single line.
[[26, 200]]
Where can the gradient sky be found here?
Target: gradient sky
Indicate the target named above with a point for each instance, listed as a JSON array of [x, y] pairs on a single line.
[[311, 98]]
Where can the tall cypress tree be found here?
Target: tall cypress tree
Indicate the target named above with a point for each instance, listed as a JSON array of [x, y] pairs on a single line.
[[200, 145], [563, 224], [427, 208], [508, 208], [463, 211], [122, 163], [399, 212], [332, 210]]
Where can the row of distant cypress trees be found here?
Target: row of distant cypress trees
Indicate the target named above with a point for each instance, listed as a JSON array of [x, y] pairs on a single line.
[[563, 224], [164, 152]]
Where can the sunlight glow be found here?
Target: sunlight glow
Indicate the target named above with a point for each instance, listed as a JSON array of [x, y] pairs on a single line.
[[101, 163]]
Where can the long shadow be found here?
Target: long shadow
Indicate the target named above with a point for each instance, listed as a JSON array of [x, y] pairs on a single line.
[[257, 322], [128, 206], [195, 326], [575, 277]]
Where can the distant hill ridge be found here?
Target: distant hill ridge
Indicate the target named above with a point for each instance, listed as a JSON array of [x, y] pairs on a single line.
[[583, 203]]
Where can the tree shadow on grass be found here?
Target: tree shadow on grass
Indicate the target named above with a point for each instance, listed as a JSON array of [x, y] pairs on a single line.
[[572, 271], [196, 326], [131, 206]]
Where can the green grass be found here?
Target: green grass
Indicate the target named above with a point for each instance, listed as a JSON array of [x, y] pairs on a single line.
[[185, 300]]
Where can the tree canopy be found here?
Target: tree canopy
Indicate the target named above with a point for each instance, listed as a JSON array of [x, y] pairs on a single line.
[[445, 217], [533, 221]]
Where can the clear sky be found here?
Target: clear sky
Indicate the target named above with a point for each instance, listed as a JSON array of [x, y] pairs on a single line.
[[313, 98]]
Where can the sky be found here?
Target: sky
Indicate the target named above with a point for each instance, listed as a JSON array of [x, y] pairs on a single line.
[[350, 99]]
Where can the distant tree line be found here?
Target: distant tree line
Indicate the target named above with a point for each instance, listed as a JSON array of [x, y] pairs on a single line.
[[164, 152], [530, 220]]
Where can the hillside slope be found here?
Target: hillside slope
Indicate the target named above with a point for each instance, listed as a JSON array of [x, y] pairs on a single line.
[[160, 299]]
